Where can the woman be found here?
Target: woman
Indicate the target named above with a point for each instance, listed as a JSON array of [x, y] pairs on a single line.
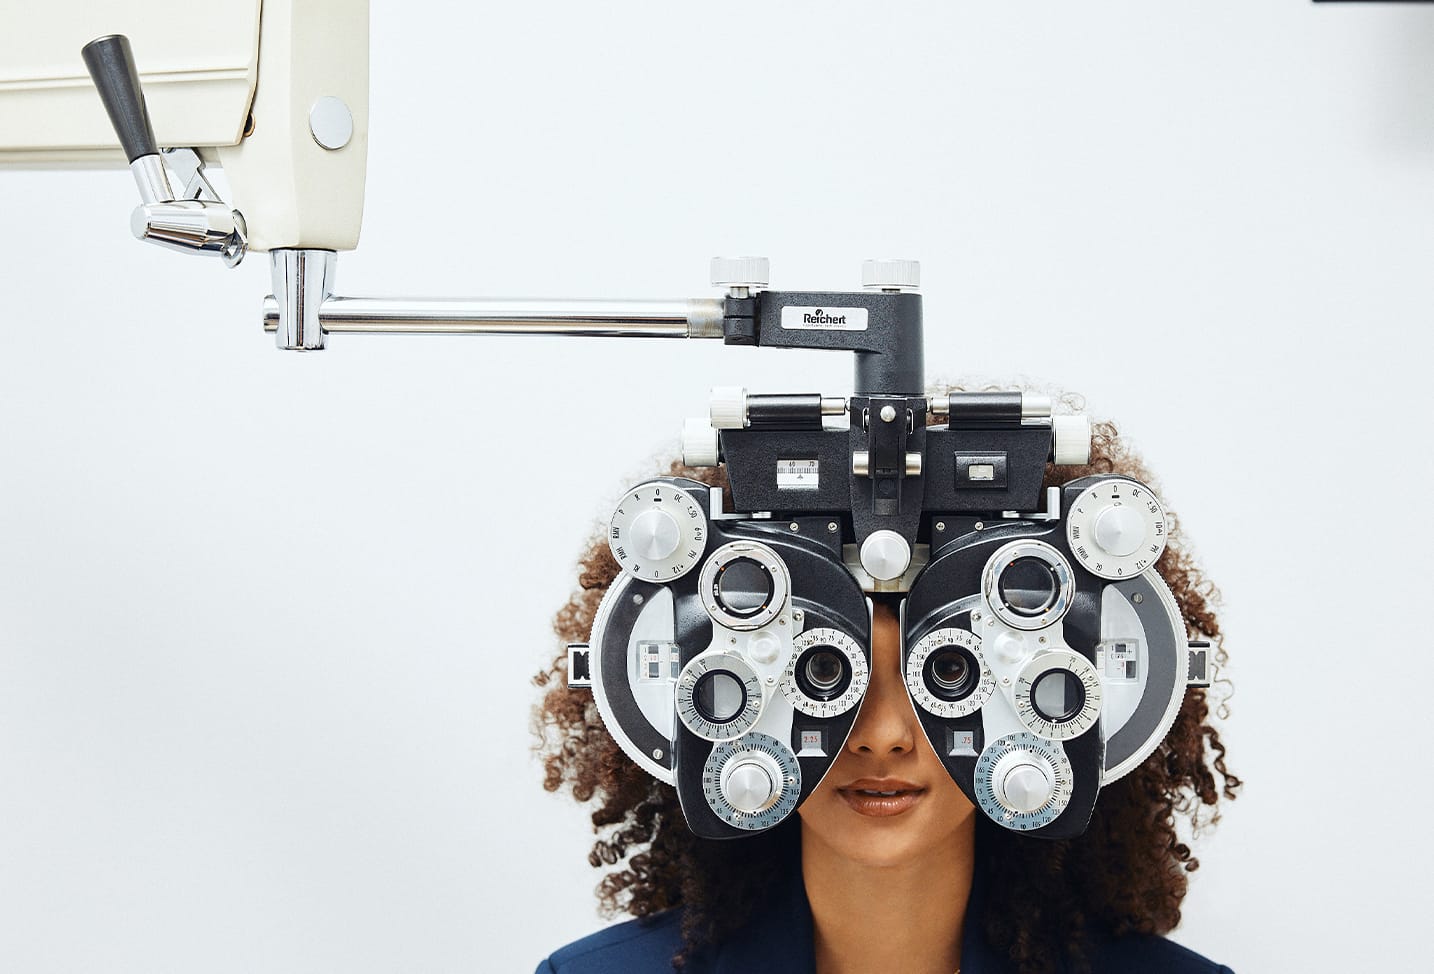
[[864, 880]]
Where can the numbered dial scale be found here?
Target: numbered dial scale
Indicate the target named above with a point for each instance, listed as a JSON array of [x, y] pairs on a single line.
[[1023, 782], [1057, 695], [947, 675], [719, 696], [752, 784], [1116, 528], [827, 674], [658, 532]]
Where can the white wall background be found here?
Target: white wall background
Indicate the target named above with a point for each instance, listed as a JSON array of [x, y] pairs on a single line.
[[267, 620]]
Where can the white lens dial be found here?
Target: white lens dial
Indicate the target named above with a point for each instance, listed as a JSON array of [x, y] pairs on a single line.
[[658, 532], [752, 784], [947, 675], [827, 674], [1058, 695], [1116, 528], [1023, 782], [719, 696]]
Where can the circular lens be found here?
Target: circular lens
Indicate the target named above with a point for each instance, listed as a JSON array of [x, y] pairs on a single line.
[[743, 586], [951, 673], [823, 673], [719, 696], [1029, 586], [1057, 695]]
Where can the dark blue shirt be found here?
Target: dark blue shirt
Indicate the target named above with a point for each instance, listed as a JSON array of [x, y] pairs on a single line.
[[778, 938]]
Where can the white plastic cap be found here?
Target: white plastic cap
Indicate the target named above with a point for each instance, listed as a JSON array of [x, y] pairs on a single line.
[[1070, 439], [699, 443], [901, 275], [741, 271], [729, 407]]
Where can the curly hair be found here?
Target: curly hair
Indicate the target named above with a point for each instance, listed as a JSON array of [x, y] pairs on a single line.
[[1126, 874]]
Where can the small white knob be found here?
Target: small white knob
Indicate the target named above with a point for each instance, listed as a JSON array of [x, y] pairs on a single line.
[[1010, 648], [729, 407], [1119, 530], [1024, 788], [891, 274], [748, 785], [885, 555], [753, 272], [764, 648], [654, 535], [1071, 440], [699, 443]]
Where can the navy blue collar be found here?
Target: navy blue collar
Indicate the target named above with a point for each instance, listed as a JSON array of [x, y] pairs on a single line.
[[778, 937]]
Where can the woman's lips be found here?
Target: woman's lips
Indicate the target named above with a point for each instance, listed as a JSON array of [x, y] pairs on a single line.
[[879, 798]]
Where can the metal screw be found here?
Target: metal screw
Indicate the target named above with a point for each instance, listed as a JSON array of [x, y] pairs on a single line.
[[1138, 598], [980, 525], [1043, 639], [831, 525], [1005, 681], [794, 526], [781, 622], [976, 616], [888, 413], [637, 598], [940, 525], [733, 640], [771, 680], [657, 753]]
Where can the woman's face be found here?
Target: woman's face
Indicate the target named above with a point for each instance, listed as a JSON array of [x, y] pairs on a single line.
[[851, 811]]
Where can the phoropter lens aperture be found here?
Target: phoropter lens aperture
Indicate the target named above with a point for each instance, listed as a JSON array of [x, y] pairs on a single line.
[[1028, 586], [719, 696], [743, 586], [951, 673], [1057, 695], [823, 673]]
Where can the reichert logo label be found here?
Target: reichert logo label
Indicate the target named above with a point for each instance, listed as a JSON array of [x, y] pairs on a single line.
[[824, 319]]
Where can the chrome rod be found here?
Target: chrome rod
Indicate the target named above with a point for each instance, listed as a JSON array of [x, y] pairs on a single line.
[[691, 318]]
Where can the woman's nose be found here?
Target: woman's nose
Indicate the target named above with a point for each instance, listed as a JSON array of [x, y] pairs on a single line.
[[886, 724]]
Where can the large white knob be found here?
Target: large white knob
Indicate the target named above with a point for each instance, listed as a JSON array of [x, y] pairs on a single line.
[[1023, 782], [699, 443], [885, 555], [1119, 530], [749, 272], [750, 783], [891, 274], [1070, 437]]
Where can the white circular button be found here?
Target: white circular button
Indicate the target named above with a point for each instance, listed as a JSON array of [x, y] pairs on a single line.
[[764, 648], [1025, 788], [885, 555], [1010, 648], [1119, 530], [331, 123]]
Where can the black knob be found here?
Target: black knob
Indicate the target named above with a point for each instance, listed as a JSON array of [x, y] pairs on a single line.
[[111, 64]]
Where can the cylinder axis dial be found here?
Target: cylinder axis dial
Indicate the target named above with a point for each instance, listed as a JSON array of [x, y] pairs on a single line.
[[1058, 695], [658, 532], [752, 784], [1116, 528], [719, 696], [947, 675], [1023, 782], [827, 674]]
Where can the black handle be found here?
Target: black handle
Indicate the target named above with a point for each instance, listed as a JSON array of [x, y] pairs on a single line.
[[111, 64]]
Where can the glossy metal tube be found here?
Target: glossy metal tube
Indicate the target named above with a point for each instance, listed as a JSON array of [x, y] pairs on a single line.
[[695, 318]]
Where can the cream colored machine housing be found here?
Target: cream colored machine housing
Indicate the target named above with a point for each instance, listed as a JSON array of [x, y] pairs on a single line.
[[236, 82]]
